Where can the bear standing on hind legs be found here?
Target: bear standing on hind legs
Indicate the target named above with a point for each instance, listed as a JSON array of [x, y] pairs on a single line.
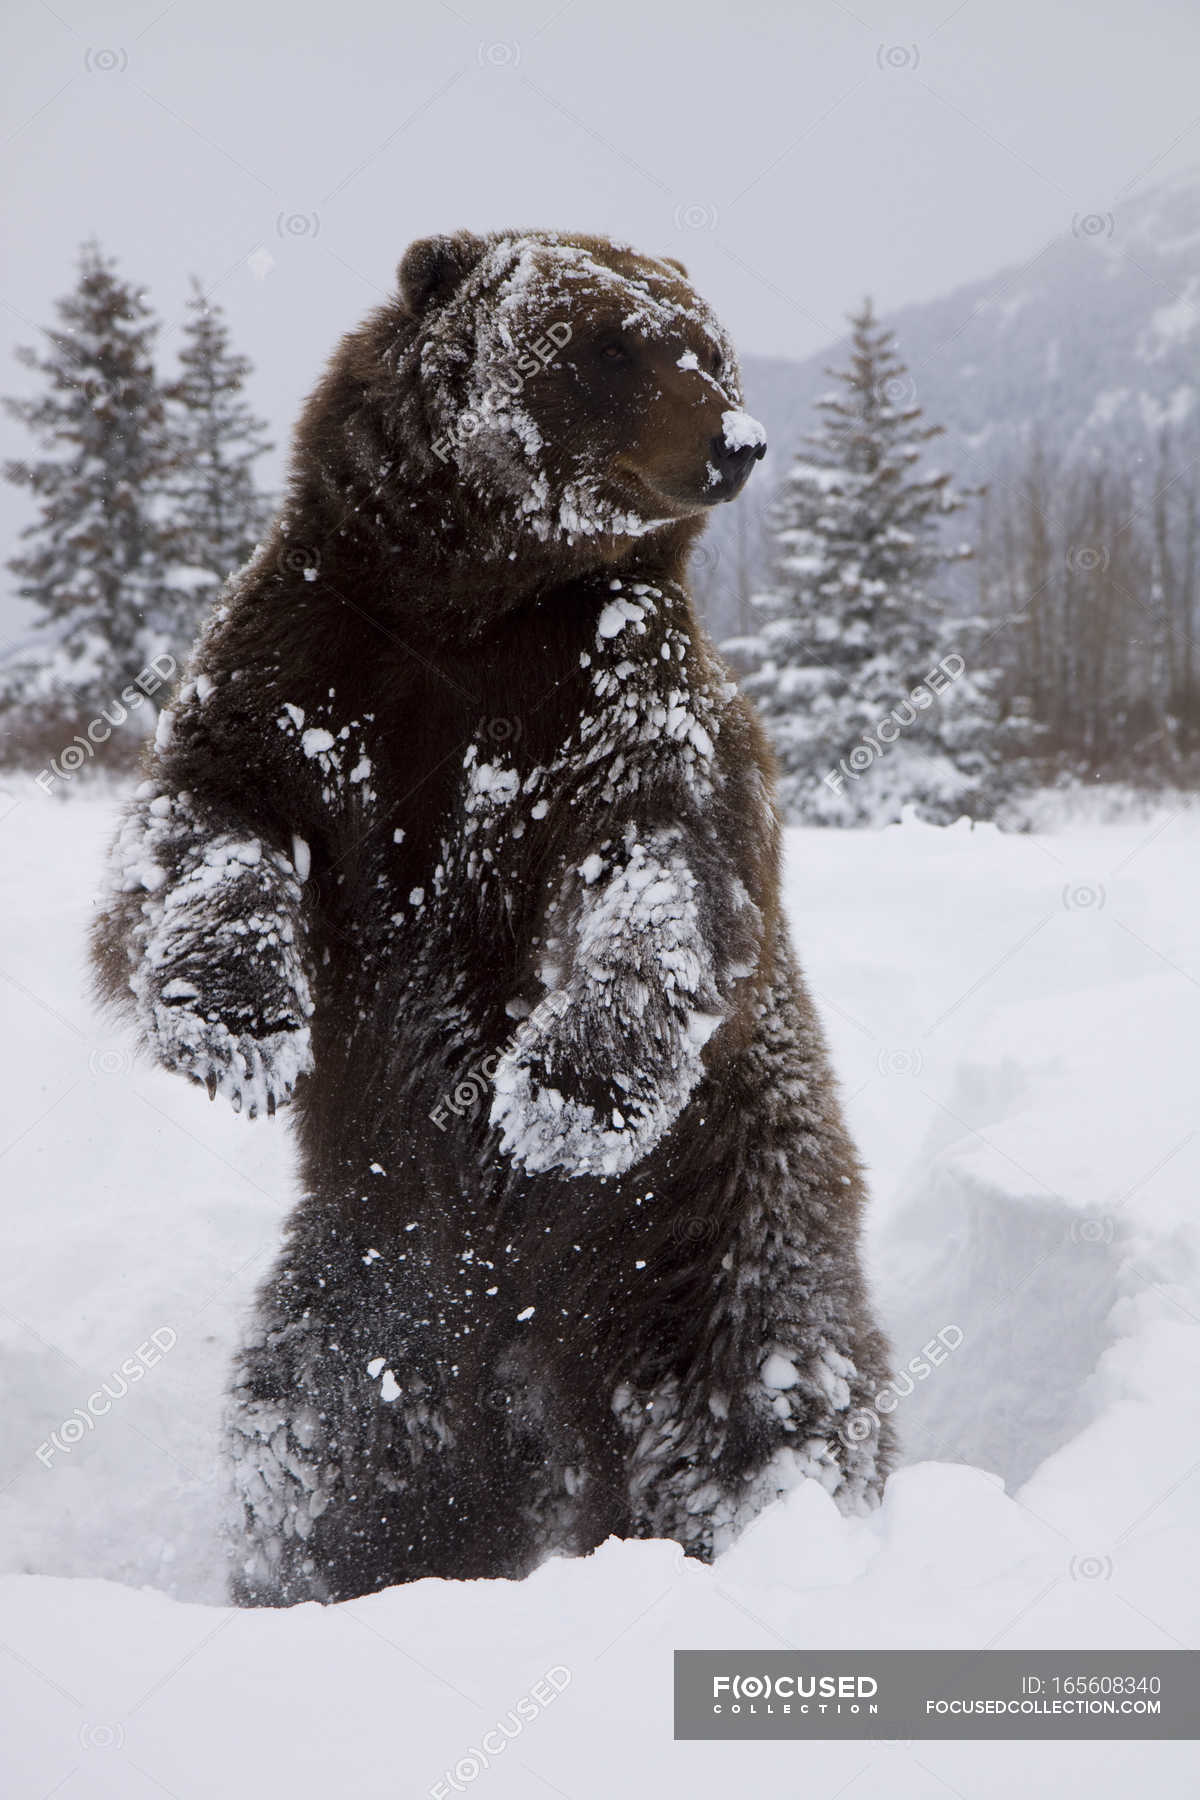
[[458, 837]]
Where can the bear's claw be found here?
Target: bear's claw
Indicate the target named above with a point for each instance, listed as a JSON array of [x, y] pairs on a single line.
[[256, 1073]]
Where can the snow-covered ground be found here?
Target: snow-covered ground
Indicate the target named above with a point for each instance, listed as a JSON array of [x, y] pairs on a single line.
[[1015, 1020]]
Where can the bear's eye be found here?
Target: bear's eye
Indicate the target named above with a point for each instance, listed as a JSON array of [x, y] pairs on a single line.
[[615, 351], [716, 363]]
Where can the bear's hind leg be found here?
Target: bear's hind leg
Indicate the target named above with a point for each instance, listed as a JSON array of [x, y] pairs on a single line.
[[779, 1381], [367, 1448]]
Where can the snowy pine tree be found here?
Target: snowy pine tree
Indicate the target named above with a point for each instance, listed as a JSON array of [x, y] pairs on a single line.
[[869, 693], [218, 512], [96, 565]]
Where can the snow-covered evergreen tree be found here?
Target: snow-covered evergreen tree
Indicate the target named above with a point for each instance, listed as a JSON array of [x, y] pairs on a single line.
[[869, 692], [218, 512], [97, 557]]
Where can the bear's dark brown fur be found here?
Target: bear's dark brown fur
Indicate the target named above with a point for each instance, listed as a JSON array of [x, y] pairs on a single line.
[[458, 833]]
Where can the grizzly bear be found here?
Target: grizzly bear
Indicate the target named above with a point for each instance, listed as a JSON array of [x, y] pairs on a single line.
[[458, 837]]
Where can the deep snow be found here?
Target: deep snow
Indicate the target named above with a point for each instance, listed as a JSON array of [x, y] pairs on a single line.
[[1015, 1021]]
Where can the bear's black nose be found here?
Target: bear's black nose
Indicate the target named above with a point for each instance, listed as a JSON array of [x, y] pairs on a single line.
[[733, 466]]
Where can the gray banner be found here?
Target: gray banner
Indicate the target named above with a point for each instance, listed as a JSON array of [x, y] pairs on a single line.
[[912, 1694]]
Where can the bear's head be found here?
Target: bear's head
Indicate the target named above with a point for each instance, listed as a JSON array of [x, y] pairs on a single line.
[[579, 390]]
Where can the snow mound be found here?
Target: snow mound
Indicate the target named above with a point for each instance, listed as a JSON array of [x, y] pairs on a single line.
[[1014, 1019], [413, 1688], [1049, 1225]]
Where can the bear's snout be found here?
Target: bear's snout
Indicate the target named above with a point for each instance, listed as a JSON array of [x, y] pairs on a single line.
[[732, 464]]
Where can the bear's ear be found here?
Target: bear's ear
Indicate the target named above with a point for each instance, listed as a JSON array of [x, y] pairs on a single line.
[[673, 262], [433, 267]]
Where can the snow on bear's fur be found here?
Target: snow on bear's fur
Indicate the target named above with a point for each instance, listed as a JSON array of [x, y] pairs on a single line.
[[459, 838]]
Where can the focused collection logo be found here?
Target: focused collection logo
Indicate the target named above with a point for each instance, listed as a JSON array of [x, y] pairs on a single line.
[[752, 1691]]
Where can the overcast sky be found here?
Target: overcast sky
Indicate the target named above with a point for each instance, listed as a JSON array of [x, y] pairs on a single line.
[[794, 155]]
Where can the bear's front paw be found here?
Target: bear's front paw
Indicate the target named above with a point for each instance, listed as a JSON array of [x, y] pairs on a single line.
[[573, 1093], [257, 1069], [543, 1128]]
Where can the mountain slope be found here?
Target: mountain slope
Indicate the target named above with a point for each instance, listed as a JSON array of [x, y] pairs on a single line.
[[1092, 345]]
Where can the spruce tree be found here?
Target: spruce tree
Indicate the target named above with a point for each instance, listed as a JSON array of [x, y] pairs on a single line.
[[218, 513], [846, 663], [96, 565]]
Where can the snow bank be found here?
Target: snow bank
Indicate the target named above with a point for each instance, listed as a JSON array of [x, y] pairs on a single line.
[[1015, 1022], [391, 1696]]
